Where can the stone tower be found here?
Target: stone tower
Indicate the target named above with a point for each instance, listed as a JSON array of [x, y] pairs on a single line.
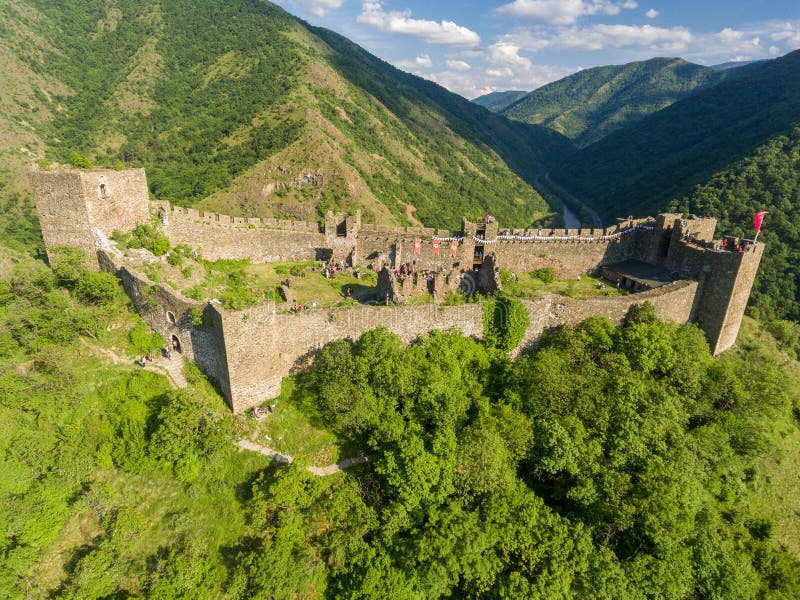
[[74, 205]]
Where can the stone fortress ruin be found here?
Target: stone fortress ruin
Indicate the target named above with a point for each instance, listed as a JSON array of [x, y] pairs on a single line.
[[671, 261]]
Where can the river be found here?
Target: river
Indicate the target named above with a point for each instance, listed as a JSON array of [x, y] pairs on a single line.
[[571, 220]]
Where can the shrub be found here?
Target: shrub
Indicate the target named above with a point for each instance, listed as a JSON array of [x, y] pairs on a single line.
[[149, 236], [505, 321], [79, 161], [97, 288], [67, 266], [175, 259], [143, 340], [545, 274]]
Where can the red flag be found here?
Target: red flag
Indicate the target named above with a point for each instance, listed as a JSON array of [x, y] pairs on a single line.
[[759, 219], [453, 247], [417, 245], [436, 246]]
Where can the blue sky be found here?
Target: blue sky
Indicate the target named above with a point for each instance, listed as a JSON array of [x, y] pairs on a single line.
[[474, 47]]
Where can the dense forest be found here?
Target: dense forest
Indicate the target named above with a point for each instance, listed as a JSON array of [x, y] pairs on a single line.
[[609, 463], [590, 104], [768, 180], [644, 166]]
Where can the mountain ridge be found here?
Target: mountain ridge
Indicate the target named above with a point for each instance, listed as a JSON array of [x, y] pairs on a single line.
[[588, 105], [228, 105], [643, 166]]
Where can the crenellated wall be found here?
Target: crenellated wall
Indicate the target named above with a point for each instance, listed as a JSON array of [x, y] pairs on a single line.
[[264, 345], [249, 352], [216, 236]]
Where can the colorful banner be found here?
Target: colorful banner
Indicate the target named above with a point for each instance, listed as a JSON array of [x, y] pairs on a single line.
[[453, 248], [435, 246], [417, 245]]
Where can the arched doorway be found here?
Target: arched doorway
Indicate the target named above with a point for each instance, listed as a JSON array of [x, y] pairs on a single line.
[[176, 344]]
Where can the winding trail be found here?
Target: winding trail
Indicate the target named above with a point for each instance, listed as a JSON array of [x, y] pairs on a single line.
[[318, 471]]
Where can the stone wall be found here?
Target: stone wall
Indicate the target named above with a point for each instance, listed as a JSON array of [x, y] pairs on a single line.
[[62, 211], [72, 204], [262, 345], [674, 302], [217, 236], [115, 200], [170, 314]]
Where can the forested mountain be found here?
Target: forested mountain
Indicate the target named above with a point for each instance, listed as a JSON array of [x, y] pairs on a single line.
[[588, 105], [497, 101], [641, 168], [768, 179], [241, 106]]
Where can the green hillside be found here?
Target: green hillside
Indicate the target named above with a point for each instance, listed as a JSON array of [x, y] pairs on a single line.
[[497, 101], [641, 168], [768, 180], [621, 463], [592, 103], [238, 106]]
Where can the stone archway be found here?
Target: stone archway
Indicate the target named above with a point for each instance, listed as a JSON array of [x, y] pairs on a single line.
[[176, 344]]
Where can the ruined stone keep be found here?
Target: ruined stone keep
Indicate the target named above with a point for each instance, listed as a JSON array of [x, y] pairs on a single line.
[[248, 352]]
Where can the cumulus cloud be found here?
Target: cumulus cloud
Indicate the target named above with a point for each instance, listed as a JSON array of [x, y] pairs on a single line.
[[319, 7], [432, 32], [490, 78], [788, 33], [505, 53], [600, 36], [651, 14], [458, 65], [423, 60], [561, 12]]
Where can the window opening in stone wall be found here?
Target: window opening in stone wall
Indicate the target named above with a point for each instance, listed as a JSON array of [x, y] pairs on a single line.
[[176, 344], [341, 229], [103, 190], [171, 318]]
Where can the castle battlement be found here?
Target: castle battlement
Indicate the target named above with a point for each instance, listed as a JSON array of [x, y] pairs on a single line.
[[248, 352]]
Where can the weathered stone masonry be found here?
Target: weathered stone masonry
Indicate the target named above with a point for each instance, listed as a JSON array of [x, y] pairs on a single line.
[[248, 352]]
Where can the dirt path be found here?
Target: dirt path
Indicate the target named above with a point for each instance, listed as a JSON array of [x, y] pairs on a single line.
[[318, 471], [410, 210]]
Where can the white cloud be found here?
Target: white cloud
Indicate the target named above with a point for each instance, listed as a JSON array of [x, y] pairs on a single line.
[[319, 7], [490, 78], [774, 51], [505, 72], [432, 32], [423, 60], [599, 37], [788, 33], [458, 65], [562, 12], [651, 14], [505, 53]]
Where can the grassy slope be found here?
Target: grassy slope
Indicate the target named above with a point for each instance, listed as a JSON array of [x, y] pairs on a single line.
[[640, 168], [775, 488], [226, 98], [590, 104]]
